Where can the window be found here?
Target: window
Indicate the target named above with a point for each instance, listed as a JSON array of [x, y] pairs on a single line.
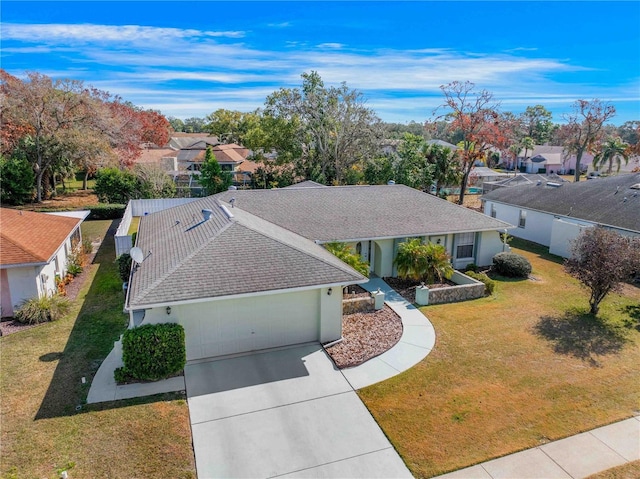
[[464, 245], [493, 210], [523, 219]]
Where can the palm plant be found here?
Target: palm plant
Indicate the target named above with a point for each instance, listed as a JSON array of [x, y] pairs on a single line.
[[614, 149], [528, 144], [423, 262]]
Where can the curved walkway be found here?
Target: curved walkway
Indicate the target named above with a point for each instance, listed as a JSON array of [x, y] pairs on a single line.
[[417, 341]]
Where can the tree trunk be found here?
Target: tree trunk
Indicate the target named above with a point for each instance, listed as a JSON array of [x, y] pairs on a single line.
[[463, 187], [576, 176], [84, 180]]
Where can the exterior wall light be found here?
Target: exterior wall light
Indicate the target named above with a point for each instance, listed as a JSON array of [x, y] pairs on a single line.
[[168, 309], [329, 291]]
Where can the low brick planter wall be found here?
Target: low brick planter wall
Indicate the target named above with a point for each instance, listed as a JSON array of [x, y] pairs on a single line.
[[467, 288], [360, 304]]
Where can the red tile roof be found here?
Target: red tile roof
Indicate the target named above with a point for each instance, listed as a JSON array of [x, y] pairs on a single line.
[[28, 237]]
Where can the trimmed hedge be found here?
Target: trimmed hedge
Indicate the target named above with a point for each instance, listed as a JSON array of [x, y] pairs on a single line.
[[489, 284], [152, 352], [511, 265], [124, 266], [106, 212]]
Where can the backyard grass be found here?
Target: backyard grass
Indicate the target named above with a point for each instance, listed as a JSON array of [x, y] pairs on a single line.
[[133, 227], [631, 470], [513, 371], [46, 426]]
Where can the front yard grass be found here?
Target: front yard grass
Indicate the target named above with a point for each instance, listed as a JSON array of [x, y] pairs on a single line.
[[513, 371], [43, 432]]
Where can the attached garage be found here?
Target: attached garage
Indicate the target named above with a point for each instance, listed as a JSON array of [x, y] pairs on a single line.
[[235, 282]]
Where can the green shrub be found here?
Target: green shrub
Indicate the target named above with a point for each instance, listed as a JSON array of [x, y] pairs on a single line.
[[106, 212], [344, 252], [74, 269], [511, 265], [471, 267], [489, 284], [133, 238], [124, 266], [16, 181], [152, 352], [40, 310], [116, 186], [87, 246]]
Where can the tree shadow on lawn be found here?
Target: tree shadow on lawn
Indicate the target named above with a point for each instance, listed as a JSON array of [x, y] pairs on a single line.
[[98, 325], [581, 335], [634, 317]]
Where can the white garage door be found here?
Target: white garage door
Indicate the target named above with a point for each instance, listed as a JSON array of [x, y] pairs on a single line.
[[234, 326]]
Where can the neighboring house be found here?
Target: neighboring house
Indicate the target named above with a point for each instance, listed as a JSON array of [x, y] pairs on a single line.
[[481, 174], [522, 179], [554, 214], [245, 270], [34, 248], [548, 159]]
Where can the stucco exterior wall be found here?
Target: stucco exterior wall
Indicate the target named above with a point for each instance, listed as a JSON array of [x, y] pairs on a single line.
[[563, 233], [22, 283], [537, 226], [489, 244], [383, 257], [313, 315]]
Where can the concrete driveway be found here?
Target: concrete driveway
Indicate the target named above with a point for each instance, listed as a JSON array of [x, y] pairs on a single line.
[[283, 413]]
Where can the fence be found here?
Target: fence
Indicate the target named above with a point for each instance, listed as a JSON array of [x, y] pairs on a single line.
[[141, 208]]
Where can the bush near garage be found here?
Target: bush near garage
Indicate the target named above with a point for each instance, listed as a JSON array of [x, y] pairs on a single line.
[[511, 265], [152, 352]]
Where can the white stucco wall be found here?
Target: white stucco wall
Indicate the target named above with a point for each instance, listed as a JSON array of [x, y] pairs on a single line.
[[23, 284], [281, 319], [489, 244], [383, 257], [563, 233], [538, 225]]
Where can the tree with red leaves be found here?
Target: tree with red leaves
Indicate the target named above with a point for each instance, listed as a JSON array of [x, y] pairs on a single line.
[[475, 116]]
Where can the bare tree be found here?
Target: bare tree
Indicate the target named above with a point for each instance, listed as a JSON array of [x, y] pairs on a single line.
[[601, 260], [584, 128]]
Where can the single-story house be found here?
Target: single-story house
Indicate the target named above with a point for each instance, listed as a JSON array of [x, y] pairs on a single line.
[[34, 248], [553, 214], [245, 269], [548, 159]]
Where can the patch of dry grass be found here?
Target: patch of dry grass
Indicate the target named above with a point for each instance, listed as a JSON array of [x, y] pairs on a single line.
[[43, 433], [512, 371], [630, 470]]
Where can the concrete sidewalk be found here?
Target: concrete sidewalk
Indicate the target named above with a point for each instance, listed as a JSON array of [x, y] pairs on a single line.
[[574, 457]]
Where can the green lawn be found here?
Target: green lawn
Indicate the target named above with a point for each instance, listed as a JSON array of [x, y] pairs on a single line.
[[46, 425], [513, 371]]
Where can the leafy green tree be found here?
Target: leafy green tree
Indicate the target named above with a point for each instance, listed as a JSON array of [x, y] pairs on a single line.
[[116, 186], [537, 124], [527, 145], [446, 169], [154, 182], [602, 260], [333, 128], [420, 261], [176, 123], [378, 171], [212, 178], [412, 168], [194, 125], [16, 181], [344, 252], [614, 149]]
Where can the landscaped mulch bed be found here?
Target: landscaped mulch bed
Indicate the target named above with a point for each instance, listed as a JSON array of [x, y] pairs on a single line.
[[365, 336]]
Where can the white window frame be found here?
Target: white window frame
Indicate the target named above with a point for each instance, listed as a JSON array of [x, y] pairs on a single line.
[[465, 240], [522, 220]]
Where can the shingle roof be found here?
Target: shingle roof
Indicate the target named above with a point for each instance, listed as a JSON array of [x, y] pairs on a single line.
[[184, 140], [600, 200], [225, 256], [28, 237], [306, 184], [344, 213]]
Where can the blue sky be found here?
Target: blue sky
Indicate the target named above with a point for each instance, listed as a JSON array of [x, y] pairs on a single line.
[[191, 58]]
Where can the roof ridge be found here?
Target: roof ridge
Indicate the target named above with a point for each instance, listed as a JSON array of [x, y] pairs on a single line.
[[170, 271], [343, 266]]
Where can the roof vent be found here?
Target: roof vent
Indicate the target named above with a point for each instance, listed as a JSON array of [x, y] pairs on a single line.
[[232, 202], [391, 182], [553, 184], [232, 188], [227, 213], [635, 187], [206, 214], [539, 183]]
